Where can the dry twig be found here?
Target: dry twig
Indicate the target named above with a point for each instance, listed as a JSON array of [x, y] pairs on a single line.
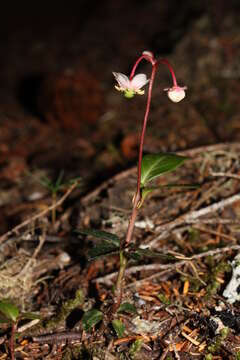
[[192, 216]]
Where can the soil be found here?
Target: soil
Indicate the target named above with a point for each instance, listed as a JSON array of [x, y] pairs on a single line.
[[68, 153]]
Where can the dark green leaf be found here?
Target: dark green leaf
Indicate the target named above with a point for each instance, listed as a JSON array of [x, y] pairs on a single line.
[[103, 249], [118, 327], [111, 238], [9, 310], [91, 318], [157, 164], [127, 307]]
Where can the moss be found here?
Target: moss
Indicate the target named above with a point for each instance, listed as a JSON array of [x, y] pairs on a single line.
[[208, 357], [164, 299], [194, 235], [76, 352], [135, 348], [215, 347], [67, 307], [195, 283], [65, 310], [215, 272]]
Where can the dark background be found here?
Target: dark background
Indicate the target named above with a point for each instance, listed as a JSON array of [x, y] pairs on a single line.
[[58, 107], [44, 36]]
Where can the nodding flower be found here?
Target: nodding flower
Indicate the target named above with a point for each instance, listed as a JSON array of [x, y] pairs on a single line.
[[176, 93], [130, 87]]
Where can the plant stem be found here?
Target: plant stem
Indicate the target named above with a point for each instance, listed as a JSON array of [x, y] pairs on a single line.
[[137, 197], [166, 62], [146, 57], [120, 278]]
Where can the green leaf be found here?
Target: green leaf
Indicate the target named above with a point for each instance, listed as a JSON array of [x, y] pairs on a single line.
[[135, 348], [111, 238], [127, 307], [91, 318], [103, 249], [9, 310], [145, 191], [118, 327], [157, 164]]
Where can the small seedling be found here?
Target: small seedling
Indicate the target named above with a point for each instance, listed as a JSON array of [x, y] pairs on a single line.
[[55, 187], [91, 318], [150, 167], [10, 314]]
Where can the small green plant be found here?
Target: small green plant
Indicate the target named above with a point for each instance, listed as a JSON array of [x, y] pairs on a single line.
[[91, 318], [55, 187], [150, 167], [10, 314]]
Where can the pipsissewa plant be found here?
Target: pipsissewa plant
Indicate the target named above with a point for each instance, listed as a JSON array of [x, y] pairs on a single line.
[[149, 168]]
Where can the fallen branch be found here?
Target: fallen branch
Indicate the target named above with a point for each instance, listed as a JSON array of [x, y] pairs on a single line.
[[227, 175]]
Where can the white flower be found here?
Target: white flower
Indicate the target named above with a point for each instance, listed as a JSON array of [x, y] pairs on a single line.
[[130, 87], [176, 93]]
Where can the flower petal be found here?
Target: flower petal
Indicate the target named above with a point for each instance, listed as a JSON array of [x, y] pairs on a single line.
[[176, 93], [148, 53], [122, 80], [138, 81]]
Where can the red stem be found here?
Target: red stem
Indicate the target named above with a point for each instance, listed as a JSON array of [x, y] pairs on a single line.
[[146, 57], [166, 62], [137, 197]]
